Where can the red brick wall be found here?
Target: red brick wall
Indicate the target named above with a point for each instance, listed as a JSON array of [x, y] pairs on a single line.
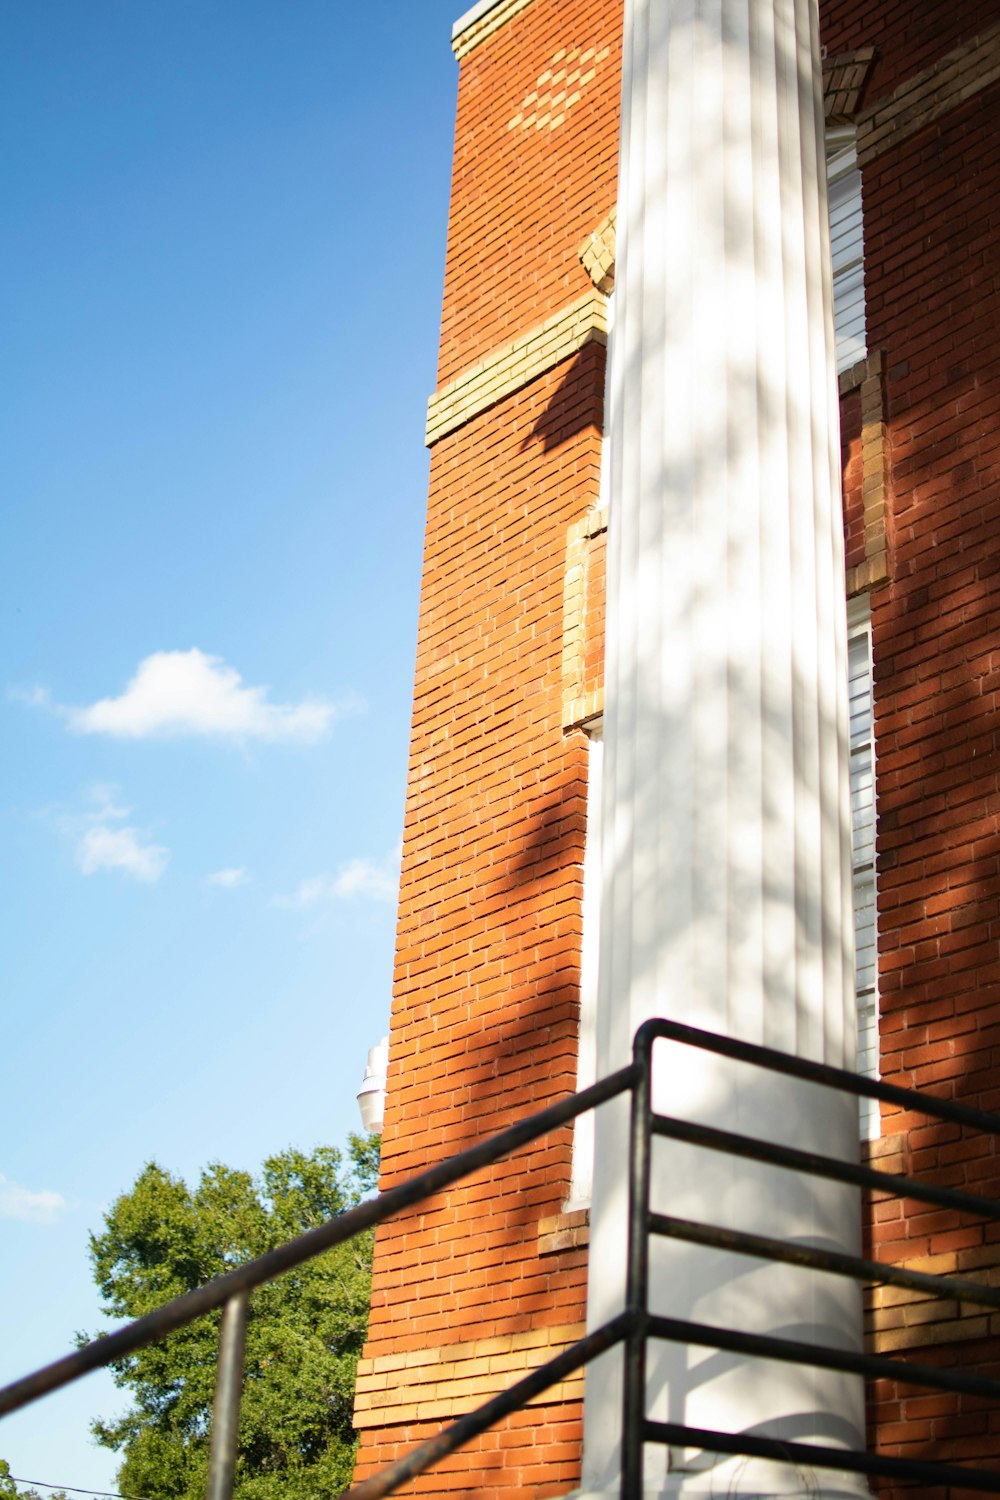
[[524, 198], [486, 985], [486, 990], [932, 233], [908, 35], [485, 1003], [931, 207]]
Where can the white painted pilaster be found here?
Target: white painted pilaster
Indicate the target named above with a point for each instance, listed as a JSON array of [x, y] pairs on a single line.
[[726, 893]]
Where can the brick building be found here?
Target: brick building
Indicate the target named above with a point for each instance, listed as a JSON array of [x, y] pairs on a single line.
[[496, 1008]]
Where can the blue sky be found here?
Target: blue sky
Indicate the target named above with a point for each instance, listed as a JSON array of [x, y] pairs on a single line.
[[222, 246]]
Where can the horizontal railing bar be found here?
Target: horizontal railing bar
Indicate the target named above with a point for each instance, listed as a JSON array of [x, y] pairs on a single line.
[[473, 1423], [814, 1072], [797, 1160], [811, 1257], [214, 1294], [848, 1460], [822, 1357]]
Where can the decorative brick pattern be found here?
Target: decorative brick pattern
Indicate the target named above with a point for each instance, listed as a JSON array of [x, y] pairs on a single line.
[[598, 254], [508, 369], [523, 200], [558, 88], [440, 1384], [844, 79], [924, 98]]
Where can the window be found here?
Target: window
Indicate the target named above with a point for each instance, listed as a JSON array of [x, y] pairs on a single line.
[[859, 674], [847, 242]]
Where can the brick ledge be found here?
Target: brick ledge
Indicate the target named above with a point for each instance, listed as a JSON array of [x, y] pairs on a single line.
[[508, 368]]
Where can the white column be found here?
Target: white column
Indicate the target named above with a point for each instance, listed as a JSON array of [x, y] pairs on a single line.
[[726, 894]]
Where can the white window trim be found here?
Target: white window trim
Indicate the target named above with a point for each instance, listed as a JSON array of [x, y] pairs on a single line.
[[586, 1063], [848, 246], [863, 872]]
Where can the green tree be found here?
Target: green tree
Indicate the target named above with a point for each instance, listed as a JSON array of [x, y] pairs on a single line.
[[304, 1334]]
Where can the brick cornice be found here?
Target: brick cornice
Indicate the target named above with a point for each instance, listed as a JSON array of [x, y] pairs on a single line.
[[513, 365], [480, 22], [926, 96]]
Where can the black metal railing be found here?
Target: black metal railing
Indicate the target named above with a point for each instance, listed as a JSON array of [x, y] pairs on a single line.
[[636, 1324]]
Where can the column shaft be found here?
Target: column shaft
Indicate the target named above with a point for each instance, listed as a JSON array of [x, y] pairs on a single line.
[[726, 895]]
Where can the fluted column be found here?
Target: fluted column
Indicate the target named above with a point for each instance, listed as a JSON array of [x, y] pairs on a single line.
[[726, 897]]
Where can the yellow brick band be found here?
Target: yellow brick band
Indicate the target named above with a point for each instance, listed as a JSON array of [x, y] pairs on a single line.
[[926, 96], [441, 1384], [509, 368], [900, 1318], [465, 39], [868, 377]]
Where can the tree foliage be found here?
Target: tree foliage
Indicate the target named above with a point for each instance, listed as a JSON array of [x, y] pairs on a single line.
[[10, 1491], [304, 1334]]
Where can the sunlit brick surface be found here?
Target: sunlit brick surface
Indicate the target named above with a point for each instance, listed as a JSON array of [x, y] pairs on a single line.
[[509, 664]]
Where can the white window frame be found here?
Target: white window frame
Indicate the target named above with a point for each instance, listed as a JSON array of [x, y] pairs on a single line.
[[863, 851], [843, 177]]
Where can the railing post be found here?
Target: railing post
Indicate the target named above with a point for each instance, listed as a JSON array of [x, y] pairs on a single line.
[[228, 1394], [637, 1272]]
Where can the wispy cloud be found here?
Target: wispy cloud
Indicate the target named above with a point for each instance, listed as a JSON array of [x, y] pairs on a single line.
[[104, 841], [177, 693], [228, 878], [372, 880], [104, 848], [34, 697], [30, 1207]]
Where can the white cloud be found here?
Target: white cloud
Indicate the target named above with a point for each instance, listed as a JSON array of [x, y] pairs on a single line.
[[18, 1202], [363, 877], [105, 842], [103, 848], [373, 880], [104, 796], [177, 693], [308, 893], [228, 878]]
